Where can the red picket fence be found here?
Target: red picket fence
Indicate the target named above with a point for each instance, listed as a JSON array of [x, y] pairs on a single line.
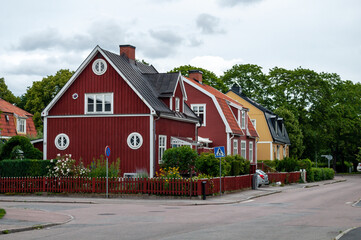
[[155, 186]]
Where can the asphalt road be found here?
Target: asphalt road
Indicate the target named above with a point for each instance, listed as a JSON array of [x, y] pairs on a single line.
[[320, 212]]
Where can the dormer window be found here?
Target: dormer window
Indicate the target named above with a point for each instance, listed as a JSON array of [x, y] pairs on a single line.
[[200, 111], [177, 104], [21, 125], [243, 119]]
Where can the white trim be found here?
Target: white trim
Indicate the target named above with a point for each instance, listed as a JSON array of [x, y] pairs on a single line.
[[161, 147], [249, 151], [245, 149], [235, 143], [129, 139], [228, 144], [177, 104], [67, 143], [85, 63], [99, 115], [254, 123], [271, 150], [95, 95], [265, 142], [215, 102], [171, 103], [99, 60], [151, 146], [204, 112], [235, 105], [45, 137], [178, 119]]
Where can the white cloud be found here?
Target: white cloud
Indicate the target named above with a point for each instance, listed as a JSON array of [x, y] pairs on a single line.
[[218, 65]]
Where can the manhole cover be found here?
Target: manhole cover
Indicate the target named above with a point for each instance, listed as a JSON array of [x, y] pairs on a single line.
[[106, 214]]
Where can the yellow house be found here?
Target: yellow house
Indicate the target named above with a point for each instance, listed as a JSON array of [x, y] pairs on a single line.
[[273, 140]]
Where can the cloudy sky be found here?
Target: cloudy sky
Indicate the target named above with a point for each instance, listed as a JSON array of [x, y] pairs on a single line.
[[39, 37]]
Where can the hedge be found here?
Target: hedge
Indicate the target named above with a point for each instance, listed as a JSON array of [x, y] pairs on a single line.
[[25, 145], [320, 174], [24, 168]]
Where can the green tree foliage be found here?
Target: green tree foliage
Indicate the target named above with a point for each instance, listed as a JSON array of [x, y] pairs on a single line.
[[294, 131], [6, 94], [182, 157], [208, 164], [24, 143], [209, 78], [40, 94]]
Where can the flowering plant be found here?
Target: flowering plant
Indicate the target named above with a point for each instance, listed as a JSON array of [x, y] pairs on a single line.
[[169, 173], [65, 166]]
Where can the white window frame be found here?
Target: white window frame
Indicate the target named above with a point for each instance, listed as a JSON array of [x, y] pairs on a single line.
[[102, 95], [243, 119], [162, 146], [21, 125], [278, 152], [244, 149], [131, 140], [197, 112], [250, 151], [235, 146], [177, 104], [63, 145], [284, 151], [99, 71]]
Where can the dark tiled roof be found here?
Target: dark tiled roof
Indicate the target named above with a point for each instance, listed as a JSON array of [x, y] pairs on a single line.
[[149, 84]]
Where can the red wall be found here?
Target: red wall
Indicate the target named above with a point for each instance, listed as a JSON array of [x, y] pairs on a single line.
[[215, 129], [125, 100], [89, 136]]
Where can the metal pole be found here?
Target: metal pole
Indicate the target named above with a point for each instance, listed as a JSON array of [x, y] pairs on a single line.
[[107, 178], [220, 176]]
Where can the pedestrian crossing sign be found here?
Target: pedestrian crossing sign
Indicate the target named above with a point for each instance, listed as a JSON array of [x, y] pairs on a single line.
[[219, 152]]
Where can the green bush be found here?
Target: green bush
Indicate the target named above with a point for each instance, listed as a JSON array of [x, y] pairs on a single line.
[[320, 174], [98, 168], [208, 164], [239, 165], [287, 165], [182, 157], [23, 143], [24, 168]]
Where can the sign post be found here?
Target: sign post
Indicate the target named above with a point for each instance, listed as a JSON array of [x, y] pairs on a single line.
[[219, 152], [107, 154]]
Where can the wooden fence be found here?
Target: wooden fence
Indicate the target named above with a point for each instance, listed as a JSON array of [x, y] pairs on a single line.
[[155, 186]]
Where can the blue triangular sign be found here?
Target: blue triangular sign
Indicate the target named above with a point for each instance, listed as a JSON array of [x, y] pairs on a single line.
[[219, 152]]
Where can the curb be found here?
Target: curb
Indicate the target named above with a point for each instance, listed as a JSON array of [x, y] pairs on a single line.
[[36, 227], [343, 233]]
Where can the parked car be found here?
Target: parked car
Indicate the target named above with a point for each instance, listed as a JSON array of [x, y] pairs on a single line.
[[262, 178], [359, 167]]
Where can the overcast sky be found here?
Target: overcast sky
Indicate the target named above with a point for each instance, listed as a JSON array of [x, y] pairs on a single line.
[[37, 38]]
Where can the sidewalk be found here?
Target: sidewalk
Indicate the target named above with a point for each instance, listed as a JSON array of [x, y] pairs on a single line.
[[21, 219]]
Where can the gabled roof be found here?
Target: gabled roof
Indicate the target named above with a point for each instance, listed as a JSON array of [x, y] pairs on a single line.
[[223, 103], [273, 121], [142, 78], [7, 107]]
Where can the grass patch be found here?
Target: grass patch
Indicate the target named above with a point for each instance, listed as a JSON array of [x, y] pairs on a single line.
[[2, 213], [5, 232]]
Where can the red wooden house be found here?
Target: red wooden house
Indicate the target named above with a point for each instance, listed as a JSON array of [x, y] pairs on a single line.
[[113, 100], [15, 121], [225, 122]]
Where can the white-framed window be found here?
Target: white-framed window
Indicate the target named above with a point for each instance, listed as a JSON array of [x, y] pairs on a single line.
[[62, 141], [99, 66], [21, 125], [284, 151], [162, 147], [244, 149], [177, 104], [250, 151], [200, 111], [235, 146], [96, 103], [135, 140], [278, 151], [243, 120], [253, 121]]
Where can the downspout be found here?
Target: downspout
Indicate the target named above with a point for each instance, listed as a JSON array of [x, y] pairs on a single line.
[[230, 144]]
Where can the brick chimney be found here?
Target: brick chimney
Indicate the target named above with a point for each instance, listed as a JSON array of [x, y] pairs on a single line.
[[128, 50], [196, 75]]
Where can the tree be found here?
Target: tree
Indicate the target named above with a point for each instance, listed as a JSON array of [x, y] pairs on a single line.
[[209, 78], [294, 131], [252, 81], [6, 94], [40, 94]]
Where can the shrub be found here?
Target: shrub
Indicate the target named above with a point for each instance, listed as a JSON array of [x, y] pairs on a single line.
[[208, 164], [239, 165], [65, 166], [24, 168], [168, 173], [329, 173], [320, 174], [29, 151], [98, 168], [182, 157], [287, 165]]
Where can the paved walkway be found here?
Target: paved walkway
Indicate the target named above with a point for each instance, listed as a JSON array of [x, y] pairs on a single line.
[[22, 219]]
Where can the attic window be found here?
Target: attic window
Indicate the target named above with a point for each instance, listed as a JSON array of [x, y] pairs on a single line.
[[21, 125], [177, 104], [99, 66], [62, 141]]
